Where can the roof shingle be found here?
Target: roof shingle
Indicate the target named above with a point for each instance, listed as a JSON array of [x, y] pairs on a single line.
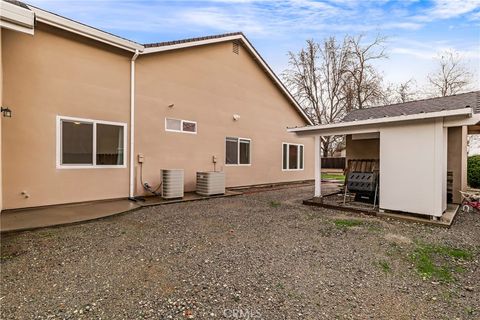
[[459, 101], [169, 43]]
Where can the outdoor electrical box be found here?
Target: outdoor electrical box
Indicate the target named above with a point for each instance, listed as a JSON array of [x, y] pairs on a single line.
[[141, 158]]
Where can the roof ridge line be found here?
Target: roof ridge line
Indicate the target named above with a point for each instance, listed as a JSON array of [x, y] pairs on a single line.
[[424, 99], [192, 39]]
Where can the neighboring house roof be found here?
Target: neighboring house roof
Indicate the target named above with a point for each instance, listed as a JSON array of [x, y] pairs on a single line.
[[459, 101], [234, 36]]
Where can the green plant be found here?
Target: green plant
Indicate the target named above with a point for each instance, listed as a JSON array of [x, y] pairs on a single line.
[[437, 261], [346, 223], [275, 204], [473, 171], [385, 266]]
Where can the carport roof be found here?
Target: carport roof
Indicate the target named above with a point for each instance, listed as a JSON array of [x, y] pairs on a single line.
[[459, 101]]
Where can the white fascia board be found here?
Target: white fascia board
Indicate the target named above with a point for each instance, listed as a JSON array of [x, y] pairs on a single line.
[[84, 30], [250, 48], [347, 126], [16, 18], [455, 122]]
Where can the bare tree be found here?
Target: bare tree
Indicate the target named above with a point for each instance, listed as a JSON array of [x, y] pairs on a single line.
[[334, 77], [365, 82], [451, 76], [400, 93], [316, 78]]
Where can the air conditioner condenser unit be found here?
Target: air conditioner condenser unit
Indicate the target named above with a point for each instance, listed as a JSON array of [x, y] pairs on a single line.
[[210, 183], [172, 183]]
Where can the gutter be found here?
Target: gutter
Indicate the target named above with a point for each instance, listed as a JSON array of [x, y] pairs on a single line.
[[132, 125]]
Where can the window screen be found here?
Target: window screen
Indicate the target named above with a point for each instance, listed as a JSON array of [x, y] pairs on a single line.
[[292, 156], [244, 152], [301, 158], [189, 126], [109, 144], [77, 142], [231, 155]]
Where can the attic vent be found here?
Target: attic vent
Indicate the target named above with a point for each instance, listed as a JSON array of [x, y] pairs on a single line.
[[235, 47]]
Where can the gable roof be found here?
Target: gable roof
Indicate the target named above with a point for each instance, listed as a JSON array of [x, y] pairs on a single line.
[[113, 40], [234, 36], [459, 101]]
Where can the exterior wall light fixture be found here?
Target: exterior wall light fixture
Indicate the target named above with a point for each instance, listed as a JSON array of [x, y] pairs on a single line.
[[7, 113]]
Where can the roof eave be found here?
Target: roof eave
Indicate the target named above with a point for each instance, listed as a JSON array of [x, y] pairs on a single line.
[[84, 30], [16, 18], [340, 127]]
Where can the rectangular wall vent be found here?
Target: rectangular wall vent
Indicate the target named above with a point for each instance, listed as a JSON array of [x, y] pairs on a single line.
[[236, 47]]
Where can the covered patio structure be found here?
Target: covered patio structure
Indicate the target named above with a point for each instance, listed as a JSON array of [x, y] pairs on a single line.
[[421, 148]]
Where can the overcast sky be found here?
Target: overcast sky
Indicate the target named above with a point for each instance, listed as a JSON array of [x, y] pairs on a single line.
[[417, 30]]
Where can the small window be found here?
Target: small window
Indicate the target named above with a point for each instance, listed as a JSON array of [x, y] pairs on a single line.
[[237, 151], [178, 125], [292, 156], [90, 143]]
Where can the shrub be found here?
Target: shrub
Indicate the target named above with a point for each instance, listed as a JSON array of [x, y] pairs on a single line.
[[473, 171]]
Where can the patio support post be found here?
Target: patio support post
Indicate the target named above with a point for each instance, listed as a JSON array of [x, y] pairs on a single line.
[[318, 166]]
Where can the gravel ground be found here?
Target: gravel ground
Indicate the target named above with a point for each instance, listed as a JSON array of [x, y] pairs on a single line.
[[255, 256]]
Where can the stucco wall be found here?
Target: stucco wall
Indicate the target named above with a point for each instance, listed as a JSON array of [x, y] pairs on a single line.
[[362, 148], [413, 167], [457, 160], [210, 84], [1, 120], [56, 73]]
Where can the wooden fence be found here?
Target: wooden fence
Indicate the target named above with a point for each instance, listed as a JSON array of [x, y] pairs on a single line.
[[333, 163]]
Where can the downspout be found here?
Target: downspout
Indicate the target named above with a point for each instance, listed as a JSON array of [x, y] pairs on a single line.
[[132, 126]]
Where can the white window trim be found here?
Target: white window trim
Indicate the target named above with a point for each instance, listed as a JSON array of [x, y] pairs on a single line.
[[181, 126], [298, 156], [59, 164], [238, 153]]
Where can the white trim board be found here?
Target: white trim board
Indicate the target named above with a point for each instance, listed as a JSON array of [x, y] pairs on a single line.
[[16, 18], [84, 30], [351, 127]]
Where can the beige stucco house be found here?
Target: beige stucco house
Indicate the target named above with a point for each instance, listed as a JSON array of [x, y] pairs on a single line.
[[419, 145], [87, 106]]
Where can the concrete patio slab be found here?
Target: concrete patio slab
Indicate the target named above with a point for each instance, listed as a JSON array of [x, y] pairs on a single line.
[[33, 218], [40, 217]]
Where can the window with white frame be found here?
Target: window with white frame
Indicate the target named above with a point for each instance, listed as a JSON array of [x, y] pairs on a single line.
[[292, 156], [90, 143], [237, 151], [178, 125]]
